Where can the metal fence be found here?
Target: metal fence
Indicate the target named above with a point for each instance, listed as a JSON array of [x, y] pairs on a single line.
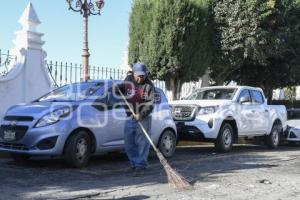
[[65, 73], [62, 73]]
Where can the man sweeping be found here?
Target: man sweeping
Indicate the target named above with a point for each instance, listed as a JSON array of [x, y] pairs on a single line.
[[139, 92]]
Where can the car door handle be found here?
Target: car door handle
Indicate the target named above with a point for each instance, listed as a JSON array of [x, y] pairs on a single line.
[[253, 111], [266, 110]]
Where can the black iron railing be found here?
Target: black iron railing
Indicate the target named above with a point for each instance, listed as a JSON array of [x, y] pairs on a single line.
[[65, 73]]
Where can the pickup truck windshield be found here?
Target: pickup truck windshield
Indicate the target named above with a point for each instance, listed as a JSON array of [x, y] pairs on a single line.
[[216, 93], [72, 92]]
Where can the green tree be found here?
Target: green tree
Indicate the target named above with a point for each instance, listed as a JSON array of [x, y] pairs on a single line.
[[172, 38], [290, 93], [256, 43]]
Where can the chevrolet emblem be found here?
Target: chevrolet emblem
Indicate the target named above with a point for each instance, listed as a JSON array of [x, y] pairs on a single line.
[[13, 123]]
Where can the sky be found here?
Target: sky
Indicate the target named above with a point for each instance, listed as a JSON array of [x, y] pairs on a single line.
[[108, 33]]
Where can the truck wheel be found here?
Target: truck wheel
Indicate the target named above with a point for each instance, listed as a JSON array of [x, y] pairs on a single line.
[[225, 138], [20, 157], [273, 139], [78, 149], [167, 143]]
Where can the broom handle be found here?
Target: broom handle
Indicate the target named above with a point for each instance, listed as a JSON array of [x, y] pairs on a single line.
[[141, 125]]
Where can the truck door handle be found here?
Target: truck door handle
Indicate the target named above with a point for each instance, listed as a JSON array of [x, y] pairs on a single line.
[[266, 110], [253, 111]]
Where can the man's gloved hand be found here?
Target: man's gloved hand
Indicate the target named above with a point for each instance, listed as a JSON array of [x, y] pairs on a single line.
[[138, 117], [116, 89]]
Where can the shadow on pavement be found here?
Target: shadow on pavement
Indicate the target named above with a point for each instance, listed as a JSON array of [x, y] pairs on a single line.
[[139, 197], [108, 172]]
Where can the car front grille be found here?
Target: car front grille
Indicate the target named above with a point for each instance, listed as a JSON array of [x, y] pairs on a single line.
[[20, 131], [19, 118], [13, 146], [184, 112]]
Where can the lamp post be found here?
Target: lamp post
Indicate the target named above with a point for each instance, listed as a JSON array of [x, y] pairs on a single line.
[[86, 8]]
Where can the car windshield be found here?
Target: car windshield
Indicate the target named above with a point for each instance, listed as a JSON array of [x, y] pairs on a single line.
[[72, 92], [212, 94]]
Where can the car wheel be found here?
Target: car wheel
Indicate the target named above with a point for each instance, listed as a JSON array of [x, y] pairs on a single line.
[[273, 139], [20, 157], [225, 138], [78, 149], [167, 143]]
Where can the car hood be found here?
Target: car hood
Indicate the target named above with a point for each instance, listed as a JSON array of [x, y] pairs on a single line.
[[294, 123], [36, 109], [201, 103]]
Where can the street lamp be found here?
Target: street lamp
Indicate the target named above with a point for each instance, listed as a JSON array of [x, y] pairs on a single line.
[[86, 9]]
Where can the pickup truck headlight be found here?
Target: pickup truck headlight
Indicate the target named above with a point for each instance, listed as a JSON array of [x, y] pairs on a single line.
[[208, 110], [53, 117]]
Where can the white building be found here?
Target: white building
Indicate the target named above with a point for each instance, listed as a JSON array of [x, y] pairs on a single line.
[[28, 77]]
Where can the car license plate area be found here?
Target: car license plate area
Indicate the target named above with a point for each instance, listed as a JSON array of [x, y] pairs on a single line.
[[9, 135]]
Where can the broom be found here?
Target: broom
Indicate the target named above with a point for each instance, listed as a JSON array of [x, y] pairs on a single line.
[[174, 178]]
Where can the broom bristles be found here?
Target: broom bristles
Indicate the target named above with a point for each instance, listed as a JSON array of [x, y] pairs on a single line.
[[174, 178]]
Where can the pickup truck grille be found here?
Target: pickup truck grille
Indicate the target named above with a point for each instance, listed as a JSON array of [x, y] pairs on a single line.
[[183, 112]]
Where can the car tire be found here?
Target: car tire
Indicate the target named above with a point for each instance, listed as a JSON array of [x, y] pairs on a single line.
[[167, 143], [225, 138], [20, 157], [274, 138], [78, 149]]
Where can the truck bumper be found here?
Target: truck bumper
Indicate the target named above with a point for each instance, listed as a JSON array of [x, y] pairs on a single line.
[[198, 130]]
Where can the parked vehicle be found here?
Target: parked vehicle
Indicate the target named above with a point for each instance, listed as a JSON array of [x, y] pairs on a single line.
[[292, 133], [77, 121], [223, 114]]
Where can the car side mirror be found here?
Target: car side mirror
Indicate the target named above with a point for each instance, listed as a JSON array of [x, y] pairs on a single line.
[[244, 100]]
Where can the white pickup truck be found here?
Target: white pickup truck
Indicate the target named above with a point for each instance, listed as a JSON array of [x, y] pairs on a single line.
[[223, 114]]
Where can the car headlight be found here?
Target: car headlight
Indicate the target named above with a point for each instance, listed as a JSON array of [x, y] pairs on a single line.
[[208, 110], [53, 117], [288, 128]]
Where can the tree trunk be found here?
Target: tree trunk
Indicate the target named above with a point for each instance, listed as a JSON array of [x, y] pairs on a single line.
[[268, 93], [174, 86]]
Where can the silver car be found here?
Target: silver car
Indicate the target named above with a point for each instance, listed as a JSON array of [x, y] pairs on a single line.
[[292, 133], [77, 121]]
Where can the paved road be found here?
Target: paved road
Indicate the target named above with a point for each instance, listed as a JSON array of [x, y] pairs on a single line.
[[249, 172]]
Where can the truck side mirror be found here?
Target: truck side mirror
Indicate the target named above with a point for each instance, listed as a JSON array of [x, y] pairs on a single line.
[[245, 99]]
